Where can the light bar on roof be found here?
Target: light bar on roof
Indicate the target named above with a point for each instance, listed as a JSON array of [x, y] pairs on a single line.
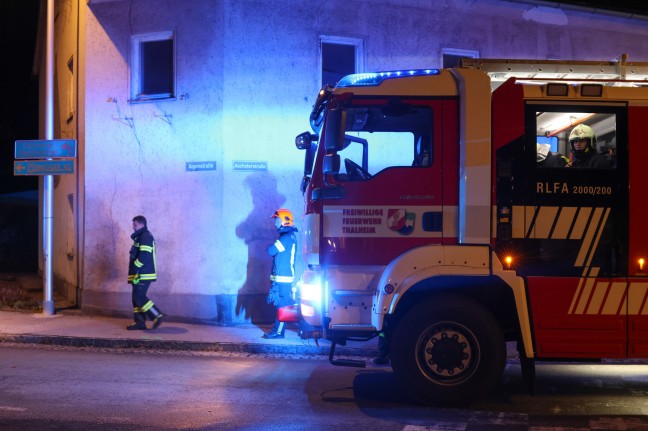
[[373, 79]]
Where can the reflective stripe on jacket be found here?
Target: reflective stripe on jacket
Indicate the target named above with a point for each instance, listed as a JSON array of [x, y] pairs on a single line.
[[283, 252], [142, 256]]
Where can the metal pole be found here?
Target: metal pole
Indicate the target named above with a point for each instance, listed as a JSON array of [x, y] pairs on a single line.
[[48, 181]]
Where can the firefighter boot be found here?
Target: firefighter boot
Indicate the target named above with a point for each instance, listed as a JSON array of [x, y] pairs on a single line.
[[277, 331], [156, 315], [137, 326], [139, 318]]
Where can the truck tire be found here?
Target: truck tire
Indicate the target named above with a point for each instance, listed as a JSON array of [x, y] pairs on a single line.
[[448, 350]]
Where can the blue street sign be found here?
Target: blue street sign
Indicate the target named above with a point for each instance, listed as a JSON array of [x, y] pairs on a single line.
[[45, 149], [249, 165], [200, 166], [44, 167]]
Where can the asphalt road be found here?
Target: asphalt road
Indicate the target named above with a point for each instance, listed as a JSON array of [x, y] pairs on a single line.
[[60, 388]]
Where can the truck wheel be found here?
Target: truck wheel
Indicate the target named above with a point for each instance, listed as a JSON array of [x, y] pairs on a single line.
[[448, 350]]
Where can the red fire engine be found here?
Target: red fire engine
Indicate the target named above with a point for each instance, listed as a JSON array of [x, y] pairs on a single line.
[[433, 218]]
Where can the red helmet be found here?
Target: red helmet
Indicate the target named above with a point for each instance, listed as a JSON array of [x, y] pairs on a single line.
[[285, 216]]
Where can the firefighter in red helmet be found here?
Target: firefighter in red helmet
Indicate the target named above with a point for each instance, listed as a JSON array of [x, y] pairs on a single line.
[[283, 252]]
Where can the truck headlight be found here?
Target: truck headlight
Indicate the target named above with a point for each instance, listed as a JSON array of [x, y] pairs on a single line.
[[311, 287]]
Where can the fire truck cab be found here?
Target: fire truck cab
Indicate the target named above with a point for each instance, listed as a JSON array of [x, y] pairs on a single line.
[[451, 218]]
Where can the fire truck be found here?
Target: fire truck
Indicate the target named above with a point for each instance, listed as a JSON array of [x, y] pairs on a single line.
[[432, 220]]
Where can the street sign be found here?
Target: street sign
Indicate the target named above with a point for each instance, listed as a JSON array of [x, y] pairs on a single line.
[[45, 149], [200, 166], [249, 165], [43, 167]]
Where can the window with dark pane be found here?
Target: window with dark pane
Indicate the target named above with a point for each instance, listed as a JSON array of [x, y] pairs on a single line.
[[450, 61], [157, 67], [338, 60]]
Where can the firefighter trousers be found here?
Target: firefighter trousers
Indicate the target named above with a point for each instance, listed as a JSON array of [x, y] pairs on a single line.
[[143, 307]]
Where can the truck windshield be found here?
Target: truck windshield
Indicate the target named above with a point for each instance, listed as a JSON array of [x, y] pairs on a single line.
[[379, 137]]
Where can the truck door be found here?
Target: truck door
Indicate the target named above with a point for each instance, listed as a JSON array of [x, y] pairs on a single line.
[[389, 193], [569, 231]]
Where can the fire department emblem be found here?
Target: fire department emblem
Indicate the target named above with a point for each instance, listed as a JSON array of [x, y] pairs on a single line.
[[399, 220]]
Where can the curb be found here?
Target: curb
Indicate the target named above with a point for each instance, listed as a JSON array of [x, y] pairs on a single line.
[[121, 343]]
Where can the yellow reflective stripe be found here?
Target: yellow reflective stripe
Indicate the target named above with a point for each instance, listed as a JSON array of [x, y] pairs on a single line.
[[279, 246], [147, 248], [131, 277], [138, 264], [148, 276], [146, 307]]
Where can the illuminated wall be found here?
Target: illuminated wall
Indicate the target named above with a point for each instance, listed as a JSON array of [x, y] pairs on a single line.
[[246, 78]]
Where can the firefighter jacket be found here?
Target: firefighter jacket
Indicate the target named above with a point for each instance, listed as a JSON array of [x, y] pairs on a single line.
[[141, 265], [590, 159], [283, 252]]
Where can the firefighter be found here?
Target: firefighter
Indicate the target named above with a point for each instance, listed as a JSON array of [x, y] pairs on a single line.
[[141, 273], [583, 143], [283, 252]]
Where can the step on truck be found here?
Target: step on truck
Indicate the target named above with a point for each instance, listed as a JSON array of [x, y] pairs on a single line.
[[433, 219]]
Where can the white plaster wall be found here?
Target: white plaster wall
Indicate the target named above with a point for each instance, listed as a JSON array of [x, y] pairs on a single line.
[[249, 68], [135, 158]]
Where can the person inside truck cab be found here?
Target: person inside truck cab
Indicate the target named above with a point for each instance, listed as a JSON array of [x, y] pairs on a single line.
[[583, 143]]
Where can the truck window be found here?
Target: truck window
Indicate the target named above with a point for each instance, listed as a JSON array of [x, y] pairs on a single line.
[[386, 149], [575, 139], [383, 137]]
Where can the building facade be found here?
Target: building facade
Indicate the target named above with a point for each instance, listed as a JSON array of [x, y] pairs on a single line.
[[186, 112]]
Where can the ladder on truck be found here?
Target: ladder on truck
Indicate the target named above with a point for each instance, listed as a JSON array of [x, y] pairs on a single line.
[[499, 70]]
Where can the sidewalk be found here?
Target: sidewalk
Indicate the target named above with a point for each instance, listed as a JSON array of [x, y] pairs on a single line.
[[70, 328]]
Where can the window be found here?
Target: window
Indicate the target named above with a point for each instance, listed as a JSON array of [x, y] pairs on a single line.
[[153, 66], [71, 92], [556, 129], [451, 57], [339, 56], [377, 138]]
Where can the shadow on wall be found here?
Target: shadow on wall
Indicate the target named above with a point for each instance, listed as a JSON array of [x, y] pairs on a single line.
[[258, 232]]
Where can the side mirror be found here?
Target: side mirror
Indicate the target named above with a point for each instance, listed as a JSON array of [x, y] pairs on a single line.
[[304, 140], [334, 132]]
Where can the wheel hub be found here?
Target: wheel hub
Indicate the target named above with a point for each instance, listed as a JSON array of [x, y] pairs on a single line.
[[447, 353]]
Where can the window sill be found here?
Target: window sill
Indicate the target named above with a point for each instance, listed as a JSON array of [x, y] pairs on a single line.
[[153, 99]]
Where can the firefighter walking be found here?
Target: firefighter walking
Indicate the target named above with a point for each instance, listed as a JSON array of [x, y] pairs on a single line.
[[141, 273], [283, 251]]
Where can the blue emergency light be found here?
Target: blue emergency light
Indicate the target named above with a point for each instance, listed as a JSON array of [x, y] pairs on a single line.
[[374, 79]]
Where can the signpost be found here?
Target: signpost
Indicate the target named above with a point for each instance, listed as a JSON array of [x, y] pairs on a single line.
[[46, 158]]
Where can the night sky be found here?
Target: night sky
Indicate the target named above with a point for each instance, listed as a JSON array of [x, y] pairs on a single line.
[[19, 88]]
